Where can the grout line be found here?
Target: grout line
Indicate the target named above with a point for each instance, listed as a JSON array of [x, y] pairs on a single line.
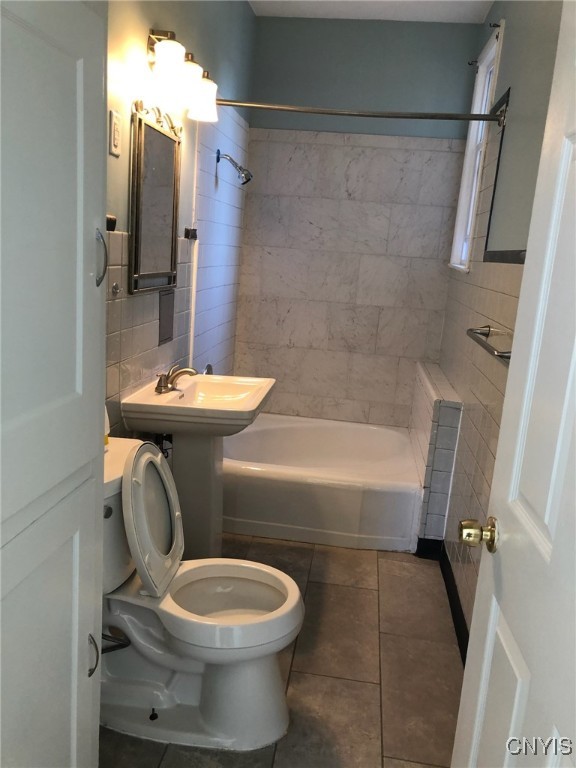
[[163, 755], [334, 677], [288, 679], [420, 765], [309, 570], [380, 664], [274, 754], [348, 586], [420, 639]]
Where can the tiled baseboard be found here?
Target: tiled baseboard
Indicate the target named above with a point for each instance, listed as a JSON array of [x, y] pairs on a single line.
[[460, 626], [431, 549]]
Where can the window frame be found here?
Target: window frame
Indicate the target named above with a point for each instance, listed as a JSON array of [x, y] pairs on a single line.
[[482, 101]]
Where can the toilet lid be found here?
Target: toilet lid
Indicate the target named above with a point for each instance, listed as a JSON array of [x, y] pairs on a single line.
[[152, 517]]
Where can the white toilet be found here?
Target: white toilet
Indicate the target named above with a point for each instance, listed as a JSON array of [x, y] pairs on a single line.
[[201, 667]]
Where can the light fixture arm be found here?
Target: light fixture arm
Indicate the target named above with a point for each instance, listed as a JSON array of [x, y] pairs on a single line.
[[155, 36]]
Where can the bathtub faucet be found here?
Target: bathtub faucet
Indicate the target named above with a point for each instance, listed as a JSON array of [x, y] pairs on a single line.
[[167, 381]]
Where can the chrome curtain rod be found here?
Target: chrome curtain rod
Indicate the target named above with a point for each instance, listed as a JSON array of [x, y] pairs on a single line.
[[350, 113]]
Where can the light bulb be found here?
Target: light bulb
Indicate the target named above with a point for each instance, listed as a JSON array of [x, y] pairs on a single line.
[[168, 56], [202, 105], [167, 75]]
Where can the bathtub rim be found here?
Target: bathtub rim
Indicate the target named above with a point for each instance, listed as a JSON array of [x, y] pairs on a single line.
[[324, 474]]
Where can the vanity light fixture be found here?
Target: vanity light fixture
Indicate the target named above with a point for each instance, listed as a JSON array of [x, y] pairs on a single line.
[[192, 71], [202, 100], [166, 59], [169, 58], [180, 82], [157, 36]]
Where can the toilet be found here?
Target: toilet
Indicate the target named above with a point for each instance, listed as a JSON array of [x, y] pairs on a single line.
[[189, 648]]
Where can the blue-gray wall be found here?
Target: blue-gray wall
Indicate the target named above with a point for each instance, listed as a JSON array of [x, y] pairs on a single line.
[[220, 34], [364, 65], [526, 67]]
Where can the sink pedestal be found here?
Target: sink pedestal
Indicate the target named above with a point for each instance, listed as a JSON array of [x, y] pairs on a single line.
[[198, 413], [197, 470]]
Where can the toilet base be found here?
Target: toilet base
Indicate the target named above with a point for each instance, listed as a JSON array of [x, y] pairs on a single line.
[[246, 702], [242, 707], [179, 724]]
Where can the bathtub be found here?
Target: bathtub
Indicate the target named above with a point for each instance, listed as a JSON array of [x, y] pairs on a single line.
[[324, 482]]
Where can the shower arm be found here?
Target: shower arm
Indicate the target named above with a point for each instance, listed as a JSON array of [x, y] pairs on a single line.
[[243, 173], [222, 156]]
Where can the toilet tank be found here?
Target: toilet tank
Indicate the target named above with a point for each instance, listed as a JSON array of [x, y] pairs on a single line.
[[118, 563]]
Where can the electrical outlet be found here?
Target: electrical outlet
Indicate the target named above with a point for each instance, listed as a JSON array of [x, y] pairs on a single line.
[[115, 134]]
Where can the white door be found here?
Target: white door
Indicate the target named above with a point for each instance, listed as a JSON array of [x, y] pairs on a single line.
[[52, 379], [518, 697]]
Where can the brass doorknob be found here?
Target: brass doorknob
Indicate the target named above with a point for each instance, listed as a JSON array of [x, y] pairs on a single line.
[[470, 532]]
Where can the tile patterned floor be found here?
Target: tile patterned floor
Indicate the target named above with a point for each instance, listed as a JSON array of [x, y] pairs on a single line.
[[373, 679]]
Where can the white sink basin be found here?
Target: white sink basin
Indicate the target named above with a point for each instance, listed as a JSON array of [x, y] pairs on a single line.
[[202, 404]]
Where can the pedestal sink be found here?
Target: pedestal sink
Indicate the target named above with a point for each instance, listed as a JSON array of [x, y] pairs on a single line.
[[198, 413]]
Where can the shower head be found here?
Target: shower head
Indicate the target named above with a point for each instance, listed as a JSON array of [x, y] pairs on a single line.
[[243, 173]]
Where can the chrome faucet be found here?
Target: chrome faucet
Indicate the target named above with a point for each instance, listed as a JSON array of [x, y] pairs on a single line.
[[175, 372], [167, 381]]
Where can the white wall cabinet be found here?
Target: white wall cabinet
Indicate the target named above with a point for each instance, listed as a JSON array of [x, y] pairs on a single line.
[[52, 379]]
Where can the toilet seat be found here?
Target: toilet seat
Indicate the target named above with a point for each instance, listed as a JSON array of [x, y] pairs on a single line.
[[260, 606], [152, 517], [269, 600]]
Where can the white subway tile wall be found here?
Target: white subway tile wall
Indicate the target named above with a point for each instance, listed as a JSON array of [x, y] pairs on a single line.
[[219, 215], [488, 294], [344, 280], [207, 278], [133, 356], [434, 425]]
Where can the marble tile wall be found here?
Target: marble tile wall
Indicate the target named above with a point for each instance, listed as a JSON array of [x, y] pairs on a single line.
[[487, 294], [219, 212], [344, 280], [133, 356], [434, 427]]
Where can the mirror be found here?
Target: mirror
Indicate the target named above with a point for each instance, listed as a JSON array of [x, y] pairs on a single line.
[[155, 181], [492, 157]]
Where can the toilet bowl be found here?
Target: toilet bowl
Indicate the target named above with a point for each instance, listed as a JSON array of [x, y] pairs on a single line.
[[201, 665]]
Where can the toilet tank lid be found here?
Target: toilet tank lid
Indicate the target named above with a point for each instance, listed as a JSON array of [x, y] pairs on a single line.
[[114, 462]]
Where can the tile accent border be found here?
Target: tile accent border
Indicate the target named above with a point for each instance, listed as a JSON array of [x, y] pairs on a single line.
[[458, 617], [434, 430], [429, 549]]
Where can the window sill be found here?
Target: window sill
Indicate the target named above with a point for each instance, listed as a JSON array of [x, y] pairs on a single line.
[[459, 267]]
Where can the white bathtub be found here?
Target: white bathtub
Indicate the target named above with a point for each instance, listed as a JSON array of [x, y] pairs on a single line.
[[325, 482]]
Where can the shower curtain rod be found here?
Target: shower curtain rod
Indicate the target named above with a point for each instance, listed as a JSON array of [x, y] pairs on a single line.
[[497, 118]]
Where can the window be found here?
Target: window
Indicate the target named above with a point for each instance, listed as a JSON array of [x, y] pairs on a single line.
[[482, 100]]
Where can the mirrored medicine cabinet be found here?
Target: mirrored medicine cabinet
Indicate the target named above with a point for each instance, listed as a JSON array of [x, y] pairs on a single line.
[[501, 190], [154, 189]]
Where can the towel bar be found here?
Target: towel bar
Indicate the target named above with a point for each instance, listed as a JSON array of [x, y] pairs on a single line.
[[481, 336]]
